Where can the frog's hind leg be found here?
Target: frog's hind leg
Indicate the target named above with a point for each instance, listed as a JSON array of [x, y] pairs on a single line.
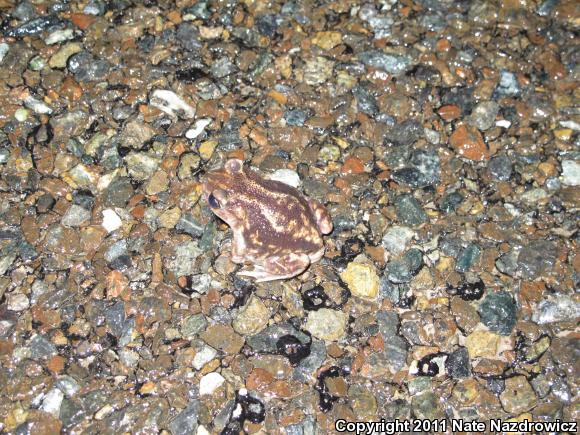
[[321, 216], [278, 267]]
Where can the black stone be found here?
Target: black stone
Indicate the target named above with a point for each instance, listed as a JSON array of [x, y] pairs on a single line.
[[457, 364], [35, 26], [293, 349], [469, 291], [314, 299], [85, 199]]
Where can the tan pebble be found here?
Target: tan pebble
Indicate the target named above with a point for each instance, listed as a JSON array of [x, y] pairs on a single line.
[[482, 344], [327, 40], [207, 148], [362, 280]]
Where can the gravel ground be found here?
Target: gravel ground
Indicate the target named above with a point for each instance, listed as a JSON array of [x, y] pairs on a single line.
[[442, 136]]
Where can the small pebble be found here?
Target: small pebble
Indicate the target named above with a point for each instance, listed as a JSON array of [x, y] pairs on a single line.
[[286, 176], [469, 143], [556, 309], [76, 216], [203, 356], [252, 317], [59, 36], [317, 70], [209, 383], [397, 238], [498, 313], [141, 166], [198, 128], [169, 102], [518, 395], [409, 210], [60, 58], [206, 150], [326, 324], [570, 173], [37, 106], [484, 114], [482, 344], [17, 302], [392, 64], [500, 167], [4, 47], [111, 221], [52, 402], [362, 280]]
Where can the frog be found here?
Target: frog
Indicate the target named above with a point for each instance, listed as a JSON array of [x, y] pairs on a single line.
[[277, 230]]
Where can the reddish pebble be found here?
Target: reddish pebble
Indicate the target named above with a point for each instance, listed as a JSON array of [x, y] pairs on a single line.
[[449, 113], [139, 211], [174, 17], [259, 379], [377, 343], [56, 364], [82, 21], [352, 165], [443, 45], [117, 283], [468, 143], [70, 89]]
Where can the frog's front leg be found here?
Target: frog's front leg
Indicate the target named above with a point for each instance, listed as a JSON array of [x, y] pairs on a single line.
[[278, 267], [238, 247]]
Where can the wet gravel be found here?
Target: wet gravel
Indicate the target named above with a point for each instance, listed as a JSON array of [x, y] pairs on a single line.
[[443, 138]]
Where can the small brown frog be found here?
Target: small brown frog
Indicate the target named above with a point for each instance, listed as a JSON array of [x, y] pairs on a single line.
[[276, 228]]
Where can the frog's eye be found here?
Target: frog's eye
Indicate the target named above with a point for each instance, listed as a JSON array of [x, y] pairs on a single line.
[[213, 202]]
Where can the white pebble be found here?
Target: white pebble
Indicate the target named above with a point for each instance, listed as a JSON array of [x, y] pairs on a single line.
[[169, 102], [59, 36], [397, 238], [106, 179], [17, 302], [37, 106], [503, 123], [205, 355], [570, 173], [52, 402], [198, 128], [21, 114], [568, 123], [209, 383], [4, 47], [511, 209], [534, 195], [286, 176], [103, 412], [111, 220]]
